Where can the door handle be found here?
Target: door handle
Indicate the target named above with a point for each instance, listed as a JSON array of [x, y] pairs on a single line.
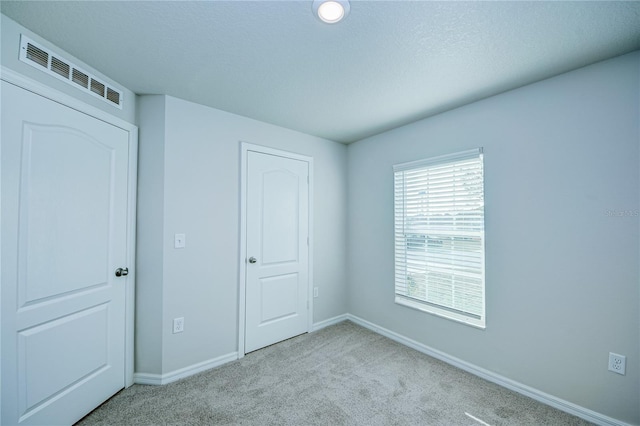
[[122, 272], [252, 259]]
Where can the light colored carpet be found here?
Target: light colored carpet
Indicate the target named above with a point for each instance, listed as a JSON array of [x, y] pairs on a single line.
[[340, 375]]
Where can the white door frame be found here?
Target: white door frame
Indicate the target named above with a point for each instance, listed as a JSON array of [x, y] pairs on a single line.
[[245, 148], [19, 80]]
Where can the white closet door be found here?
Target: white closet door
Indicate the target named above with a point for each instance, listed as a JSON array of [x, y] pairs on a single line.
[[277, 275], [64, 217]]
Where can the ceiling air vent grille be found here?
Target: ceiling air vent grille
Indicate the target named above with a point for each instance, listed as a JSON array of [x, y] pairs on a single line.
[[80, 78], [113, 96], [97, 87], [43, 59], [36, 55], [60, 67]]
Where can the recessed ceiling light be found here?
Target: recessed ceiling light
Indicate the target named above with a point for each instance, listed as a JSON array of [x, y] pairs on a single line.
[[331, 11]]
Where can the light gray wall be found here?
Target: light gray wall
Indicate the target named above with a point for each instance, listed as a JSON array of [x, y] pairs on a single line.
[[9, 57], [562, 282], [201, 165], [149, 238], [562, 275]]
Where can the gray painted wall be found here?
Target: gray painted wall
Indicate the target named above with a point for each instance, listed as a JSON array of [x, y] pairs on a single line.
[[9, 57], [149, 237], [561, 273], [562, 281], [199, 180]]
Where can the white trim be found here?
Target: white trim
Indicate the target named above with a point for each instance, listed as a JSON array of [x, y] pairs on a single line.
[[440, 159], [242, 255], [1, 257], [310, 244], [40, 89], [545, 398], [329, 322], [130, 298], [163, 379], [245, 147]]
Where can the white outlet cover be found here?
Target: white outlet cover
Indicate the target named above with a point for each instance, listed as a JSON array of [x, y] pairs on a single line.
[[180, 241], [178, 325], [617, 363]]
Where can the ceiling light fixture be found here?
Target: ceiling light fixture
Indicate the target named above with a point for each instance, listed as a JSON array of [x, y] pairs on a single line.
[[331, 11]]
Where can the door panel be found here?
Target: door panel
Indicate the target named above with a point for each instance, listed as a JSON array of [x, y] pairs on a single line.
[[64, 212], [39, 350], [279, 297], [280, 217], [277, 231], [50, 229]]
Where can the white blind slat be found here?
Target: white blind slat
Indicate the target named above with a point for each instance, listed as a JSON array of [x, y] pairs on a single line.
[[439, 235]]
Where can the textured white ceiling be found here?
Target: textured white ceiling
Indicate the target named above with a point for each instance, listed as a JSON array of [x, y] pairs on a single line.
[[387, 64]]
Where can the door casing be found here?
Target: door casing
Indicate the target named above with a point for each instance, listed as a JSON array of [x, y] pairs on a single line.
[[245, 148], [21, 81]]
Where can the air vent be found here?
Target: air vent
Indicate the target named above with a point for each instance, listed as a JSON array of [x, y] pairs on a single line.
[[45, 60], [80, 78], [113, 96], [97, 87], [60, 67], [36, 55]]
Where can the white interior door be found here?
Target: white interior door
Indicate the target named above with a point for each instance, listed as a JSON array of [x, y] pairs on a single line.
[[277, 267], [64, 217]]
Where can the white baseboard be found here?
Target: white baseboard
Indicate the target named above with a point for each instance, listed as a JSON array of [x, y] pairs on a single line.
[[536, 394], [331, 321], [560, 404], [163, 379]]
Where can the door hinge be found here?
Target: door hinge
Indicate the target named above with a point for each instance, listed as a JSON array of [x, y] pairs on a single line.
[[307, 179], [307, 304], [307, 240]]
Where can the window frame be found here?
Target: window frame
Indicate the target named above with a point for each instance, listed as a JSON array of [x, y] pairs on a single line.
[[475, 316]]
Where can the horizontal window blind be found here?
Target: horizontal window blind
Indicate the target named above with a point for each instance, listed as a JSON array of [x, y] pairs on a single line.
[[439, 236]]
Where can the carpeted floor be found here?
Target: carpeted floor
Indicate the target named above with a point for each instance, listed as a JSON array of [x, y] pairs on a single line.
[[340, 375]]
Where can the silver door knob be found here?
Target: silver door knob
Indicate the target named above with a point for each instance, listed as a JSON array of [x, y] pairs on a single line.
[[122, 272], [252, 259]]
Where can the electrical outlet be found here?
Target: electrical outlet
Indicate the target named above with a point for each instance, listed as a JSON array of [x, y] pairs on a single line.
[[178, 325], [617, 363]]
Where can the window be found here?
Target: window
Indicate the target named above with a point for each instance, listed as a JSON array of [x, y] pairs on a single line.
[[439, 236]]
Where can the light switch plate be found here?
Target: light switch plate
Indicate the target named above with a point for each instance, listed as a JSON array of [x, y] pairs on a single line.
[[180, 241]]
